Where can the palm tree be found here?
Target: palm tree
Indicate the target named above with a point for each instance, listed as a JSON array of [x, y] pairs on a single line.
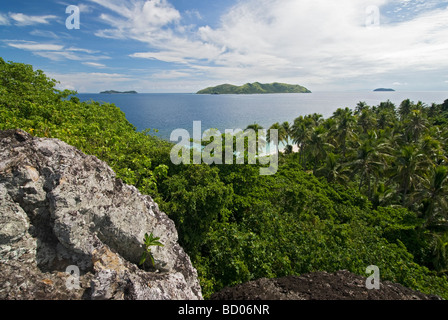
[[370, 161], [386, 119], [318, 146], [382, 195], [433, 110], [283, 132], [387, 106], [408, 170], [444, 106], [405, 109], [416, 124], [360, 107], [440, 251], [261, 141], [366, 120], [316, 118], [254, 127], [301, 132], [333, 171], [287, 130], [431, 146], [345, 122], [433, 196]]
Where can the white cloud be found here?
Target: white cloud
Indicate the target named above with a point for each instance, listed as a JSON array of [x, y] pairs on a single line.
[[140, 20], [94, 64], [311, 42], [82, 50], [4, 21], [172, 74], [34, 46], [193, 14], [59, 55], [84, 8], [166, 56], [44, 34], [328, 41], [26, 20], [56, 52]]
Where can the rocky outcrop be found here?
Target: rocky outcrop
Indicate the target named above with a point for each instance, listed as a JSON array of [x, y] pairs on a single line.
[[62, 211], [341, 285]]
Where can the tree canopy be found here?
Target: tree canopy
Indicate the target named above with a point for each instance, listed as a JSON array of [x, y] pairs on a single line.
[[367, 186]]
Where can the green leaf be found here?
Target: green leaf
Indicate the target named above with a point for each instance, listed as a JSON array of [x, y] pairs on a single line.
[[143, 258]]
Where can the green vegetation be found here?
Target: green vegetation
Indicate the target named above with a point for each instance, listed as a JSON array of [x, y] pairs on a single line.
[[149, 241], [367, 187], [29, 101], [255, 88], [118, 92]]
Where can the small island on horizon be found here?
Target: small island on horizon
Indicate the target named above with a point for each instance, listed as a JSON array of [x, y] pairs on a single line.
[[384, 90], [118, 92], [255, 88]]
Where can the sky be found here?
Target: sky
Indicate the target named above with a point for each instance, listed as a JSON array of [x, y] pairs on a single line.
[[182, 46]]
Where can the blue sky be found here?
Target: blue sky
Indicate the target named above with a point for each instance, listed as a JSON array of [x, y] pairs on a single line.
[[186, 45]]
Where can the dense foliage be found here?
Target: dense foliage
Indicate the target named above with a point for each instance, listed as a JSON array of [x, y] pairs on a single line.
[[368, 187], [29, 101], [255, 88]]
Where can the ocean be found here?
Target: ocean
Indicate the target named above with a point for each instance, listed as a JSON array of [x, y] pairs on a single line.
[[167, 112]]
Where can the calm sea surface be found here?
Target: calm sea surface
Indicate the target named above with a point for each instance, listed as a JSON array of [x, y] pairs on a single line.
[[167, 112]]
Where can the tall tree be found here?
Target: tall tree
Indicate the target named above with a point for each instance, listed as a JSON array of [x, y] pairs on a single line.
[[366, 120], [282, 134], [370, 161], [301, 133], [288, 131], [318, 147], [344, 131], [261, 141], [360, 107], [416, 125], [408, 171], [433, 196], [405, 109], [333, 170]]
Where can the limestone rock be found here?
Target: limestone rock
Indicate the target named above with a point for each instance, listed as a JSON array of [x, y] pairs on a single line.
[[61, 208]]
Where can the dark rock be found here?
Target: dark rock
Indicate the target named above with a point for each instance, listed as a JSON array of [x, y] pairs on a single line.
[[61, 208], [341, 285]]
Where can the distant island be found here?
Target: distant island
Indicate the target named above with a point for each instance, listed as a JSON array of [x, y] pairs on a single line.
[[383, 90], [118, 92], [255, 88]]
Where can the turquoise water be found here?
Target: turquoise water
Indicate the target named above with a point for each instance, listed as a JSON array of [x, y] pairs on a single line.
[[167, 112]]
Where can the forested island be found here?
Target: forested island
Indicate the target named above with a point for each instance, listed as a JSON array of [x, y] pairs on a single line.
[[118, 92], [384, 90], [255, 88], [368, 186]]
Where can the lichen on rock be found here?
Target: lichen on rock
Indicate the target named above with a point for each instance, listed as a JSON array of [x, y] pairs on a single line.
[[60, 207]]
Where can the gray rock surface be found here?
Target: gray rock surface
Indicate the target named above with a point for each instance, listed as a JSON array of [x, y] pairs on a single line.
[[61, 208]]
